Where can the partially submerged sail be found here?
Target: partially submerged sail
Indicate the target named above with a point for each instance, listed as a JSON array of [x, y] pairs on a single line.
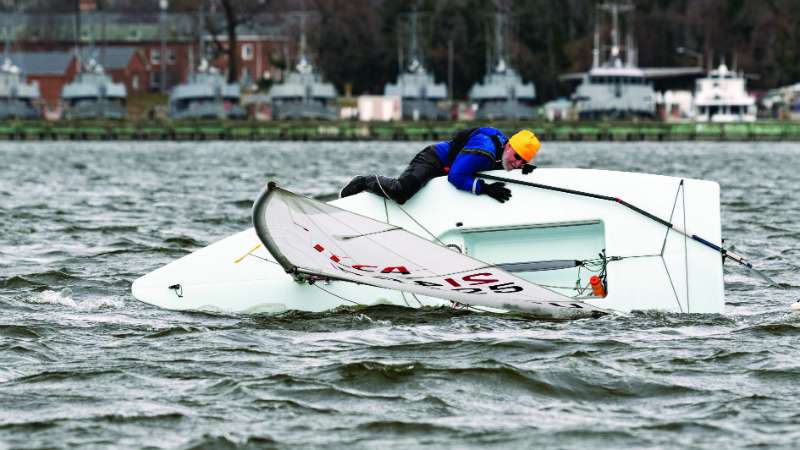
[[315, 240]]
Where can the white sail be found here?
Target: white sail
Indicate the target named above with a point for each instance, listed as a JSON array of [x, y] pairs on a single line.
[[311, 239]]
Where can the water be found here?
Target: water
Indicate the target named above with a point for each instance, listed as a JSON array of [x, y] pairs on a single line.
[[85, 365]]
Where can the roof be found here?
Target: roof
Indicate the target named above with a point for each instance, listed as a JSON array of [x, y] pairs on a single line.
[[130, 27], [42, 63], [111, 58]]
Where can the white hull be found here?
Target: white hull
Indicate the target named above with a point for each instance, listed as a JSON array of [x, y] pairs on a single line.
[[535, 225]]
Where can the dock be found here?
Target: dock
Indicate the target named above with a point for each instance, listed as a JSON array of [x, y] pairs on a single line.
[[390, 131]]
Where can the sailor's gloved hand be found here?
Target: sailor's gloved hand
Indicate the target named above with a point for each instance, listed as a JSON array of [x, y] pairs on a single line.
[[355, 186], [527, 168], [497, 191]]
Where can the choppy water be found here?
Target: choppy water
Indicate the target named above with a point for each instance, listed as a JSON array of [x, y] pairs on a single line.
[[84, 365]]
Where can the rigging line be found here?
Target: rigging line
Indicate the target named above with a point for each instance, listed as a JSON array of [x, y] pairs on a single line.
[[346, 225], [685, 249], [376, 242], [403, 294], [318, 209], [672, 285], [451, 273], [674, 205], [354, 236], [725, 252], [386, 209], [478, 309], [416, 298], [335, 295], [377, 180], [619, 258], [263, 259]]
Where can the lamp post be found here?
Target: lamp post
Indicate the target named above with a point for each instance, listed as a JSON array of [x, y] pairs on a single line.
[[689, 52], [163, 60]]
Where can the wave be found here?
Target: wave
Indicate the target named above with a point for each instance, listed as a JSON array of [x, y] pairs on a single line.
[[228, 442], [38, 280], [773, 329], [65, 298], [559, 383], [18, 331]]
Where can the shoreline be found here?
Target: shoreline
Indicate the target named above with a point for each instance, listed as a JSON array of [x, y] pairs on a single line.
[[391, 131]]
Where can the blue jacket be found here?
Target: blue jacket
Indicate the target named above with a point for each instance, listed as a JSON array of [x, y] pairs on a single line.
[[479, 154]]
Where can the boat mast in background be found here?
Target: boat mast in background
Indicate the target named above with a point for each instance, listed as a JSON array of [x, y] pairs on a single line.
[[419, 93], [303, 94], [502, 94]]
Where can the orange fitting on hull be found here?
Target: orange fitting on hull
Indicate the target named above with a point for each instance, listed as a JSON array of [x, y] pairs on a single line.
[[597, 286]]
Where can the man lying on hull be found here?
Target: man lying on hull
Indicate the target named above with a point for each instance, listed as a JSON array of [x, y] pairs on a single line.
[[461, 158]]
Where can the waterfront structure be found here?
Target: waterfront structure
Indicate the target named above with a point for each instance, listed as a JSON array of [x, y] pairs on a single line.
[[206, 94], [416, 87], [256, 46], [94, 95], [303, 94], [19, 99], [502, 94], [615, 87], [722, 97]]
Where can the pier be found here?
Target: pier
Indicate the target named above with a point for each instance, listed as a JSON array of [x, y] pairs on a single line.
[[391, 131]]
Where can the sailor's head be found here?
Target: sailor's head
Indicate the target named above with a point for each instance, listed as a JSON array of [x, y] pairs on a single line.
[[520, 149]]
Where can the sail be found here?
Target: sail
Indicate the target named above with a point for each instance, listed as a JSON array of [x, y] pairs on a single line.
[[312, 239]]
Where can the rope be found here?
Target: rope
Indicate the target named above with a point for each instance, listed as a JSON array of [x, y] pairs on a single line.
[[403, 294], [685, 248], [335, 295], [435, 238]]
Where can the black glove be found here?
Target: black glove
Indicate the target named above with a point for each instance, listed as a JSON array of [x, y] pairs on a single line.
[[497, 191], [527, 168]]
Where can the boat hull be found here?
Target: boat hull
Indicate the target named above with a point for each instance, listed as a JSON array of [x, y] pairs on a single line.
[[647, 265]]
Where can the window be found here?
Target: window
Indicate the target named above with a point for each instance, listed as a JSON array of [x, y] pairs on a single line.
[[547, 248], [171, 56], [247, 52], [155, 81], [135, 83], [155, 56]]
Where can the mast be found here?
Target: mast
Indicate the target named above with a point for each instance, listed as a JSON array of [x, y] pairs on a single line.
[[614, 9], [414, 50], [78, 36], [596, 46], [102, 35]]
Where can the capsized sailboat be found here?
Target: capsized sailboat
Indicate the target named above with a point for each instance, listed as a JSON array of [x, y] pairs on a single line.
[[312, 240], [658, 249]]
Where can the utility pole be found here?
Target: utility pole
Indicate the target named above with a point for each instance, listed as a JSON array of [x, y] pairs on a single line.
[[450, 71], [163, 60]]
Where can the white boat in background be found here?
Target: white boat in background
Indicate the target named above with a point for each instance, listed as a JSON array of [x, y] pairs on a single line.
[[560, 228], [722, 97]]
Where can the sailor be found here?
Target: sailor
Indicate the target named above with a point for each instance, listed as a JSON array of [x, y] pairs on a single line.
[[469, 151]]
